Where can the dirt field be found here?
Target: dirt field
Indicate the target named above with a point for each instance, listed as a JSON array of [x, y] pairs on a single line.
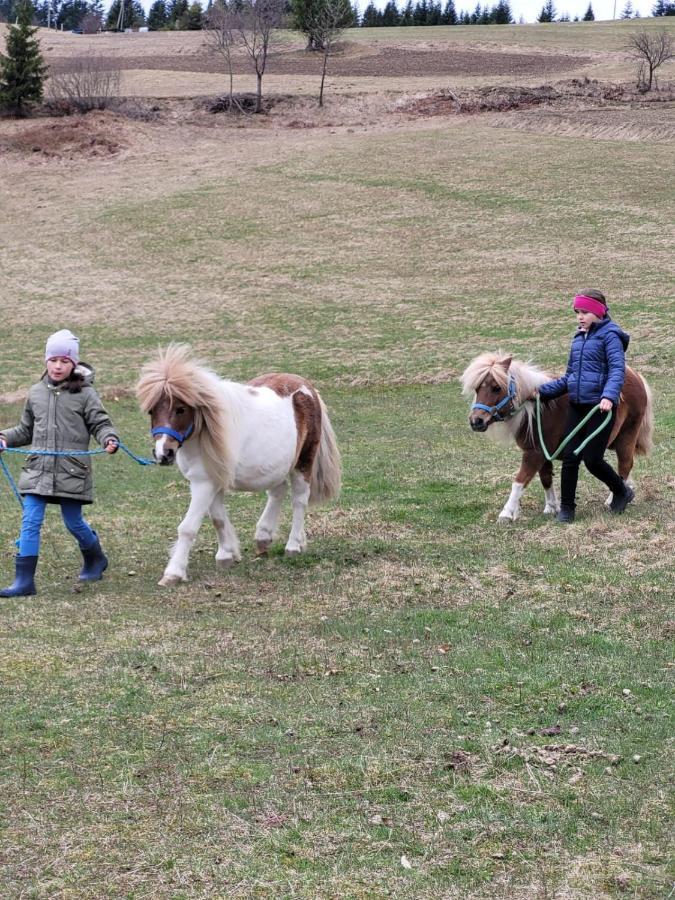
[[394, 62], [376, 81]]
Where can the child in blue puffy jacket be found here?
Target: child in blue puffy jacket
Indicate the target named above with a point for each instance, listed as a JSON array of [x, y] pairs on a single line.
[[595, 374]]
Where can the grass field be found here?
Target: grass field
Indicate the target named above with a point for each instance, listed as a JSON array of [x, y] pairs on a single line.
[[427, 704]]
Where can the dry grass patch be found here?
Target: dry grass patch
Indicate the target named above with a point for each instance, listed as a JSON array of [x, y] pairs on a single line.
[[99, 135]]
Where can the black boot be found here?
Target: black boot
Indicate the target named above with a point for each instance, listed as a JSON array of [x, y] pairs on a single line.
[[24, 580], [621, 501], [95, 563], [566, 514]]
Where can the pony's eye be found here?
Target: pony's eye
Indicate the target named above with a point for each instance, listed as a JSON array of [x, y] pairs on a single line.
[[495, 389], [180, 410]]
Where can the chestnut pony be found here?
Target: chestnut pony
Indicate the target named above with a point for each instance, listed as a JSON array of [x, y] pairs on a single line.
[[503, 393], [243, 437]]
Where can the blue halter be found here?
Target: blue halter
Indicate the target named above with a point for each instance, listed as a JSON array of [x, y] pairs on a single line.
[[180, 436], [495, 411]]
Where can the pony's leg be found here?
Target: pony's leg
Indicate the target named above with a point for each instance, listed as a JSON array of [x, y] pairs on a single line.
[[530, 464], [297, 540], [228, 544], [202, 496], [266, 529], [551, 505], [624, 446]]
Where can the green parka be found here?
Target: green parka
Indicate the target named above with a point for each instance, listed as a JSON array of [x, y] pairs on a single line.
[[61, 417]]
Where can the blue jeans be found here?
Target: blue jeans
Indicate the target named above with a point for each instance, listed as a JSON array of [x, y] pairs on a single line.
[[34, 508]]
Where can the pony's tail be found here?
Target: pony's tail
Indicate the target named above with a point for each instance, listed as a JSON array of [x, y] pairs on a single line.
[[645, 438], [327, 470]]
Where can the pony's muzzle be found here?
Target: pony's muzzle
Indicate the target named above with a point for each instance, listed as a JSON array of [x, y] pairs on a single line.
[[477, 423], [165, 451], [167, 458]]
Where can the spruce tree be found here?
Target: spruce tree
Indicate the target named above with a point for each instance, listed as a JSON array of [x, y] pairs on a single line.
[[589, 15], [449, 13], [6, 10], [43, 14], [547, 13], [420, 12], [22, 70], [407, 14], [193, 18], [501, 13], [177, 9], [157, 15], [71, 13], [134, 15], [390, 14], [371, 16]]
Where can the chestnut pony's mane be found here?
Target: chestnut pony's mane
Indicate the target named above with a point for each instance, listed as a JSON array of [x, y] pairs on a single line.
[[177, 376]]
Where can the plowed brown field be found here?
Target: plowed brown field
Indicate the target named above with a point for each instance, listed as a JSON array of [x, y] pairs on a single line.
[[383, 63]]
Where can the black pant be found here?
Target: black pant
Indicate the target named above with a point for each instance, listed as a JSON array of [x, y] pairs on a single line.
[[592, 454]]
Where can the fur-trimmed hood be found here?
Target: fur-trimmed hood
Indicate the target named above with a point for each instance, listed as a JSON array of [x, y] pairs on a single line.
[[82, 376]]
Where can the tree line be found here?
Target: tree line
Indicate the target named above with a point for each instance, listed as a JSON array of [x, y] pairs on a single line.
[[191, 15]]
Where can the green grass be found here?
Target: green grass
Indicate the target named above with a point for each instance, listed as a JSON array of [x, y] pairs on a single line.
[[295, 728]]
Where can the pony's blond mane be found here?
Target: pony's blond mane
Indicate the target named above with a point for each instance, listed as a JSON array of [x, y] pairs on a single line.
[[176, 375], [527, 377]]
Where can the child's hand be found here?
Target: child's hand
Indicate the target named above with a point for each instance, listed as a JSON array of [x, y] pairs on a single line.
[[111, 446], [605, 405]]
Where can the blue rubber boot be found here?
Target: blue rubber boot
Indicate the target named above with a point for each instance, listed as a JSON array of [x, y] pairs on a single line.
[[95, 563], [24, 580]]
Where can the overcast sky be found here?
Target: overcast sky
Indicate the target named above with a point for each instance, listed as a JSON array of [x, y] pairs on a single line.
[[530, 9], [603, 9]]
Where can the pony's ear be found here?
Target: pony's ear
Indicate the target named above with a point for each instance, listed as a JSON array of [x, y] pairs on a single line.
[[505, 363]]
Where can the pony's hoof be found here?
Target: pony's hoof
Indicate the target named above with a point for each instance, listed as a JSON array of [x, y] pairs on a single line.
[[226, 563], [506, 519], [261, 547], [295, 551], [170, 580]]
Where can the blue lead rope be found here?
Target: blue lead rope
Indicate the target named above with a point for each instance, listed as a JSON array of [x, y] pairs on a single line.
[[141, 460], [12, 483]]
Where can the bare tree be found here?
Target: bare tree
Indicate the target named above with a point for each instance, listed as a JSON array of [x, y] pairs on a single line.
[[650, 49], [327, 21], [257, 21], [222, 29], [89, 83]]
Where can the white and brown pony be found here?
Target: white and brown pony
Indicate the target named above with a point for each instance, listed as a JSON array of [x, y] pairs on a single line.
[[503, 392], [243, 437]]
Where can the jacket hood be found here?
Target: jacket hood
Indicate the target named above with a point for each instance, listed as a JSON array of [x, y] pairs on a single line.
[[608, 325], [85, 372], [82, 375]]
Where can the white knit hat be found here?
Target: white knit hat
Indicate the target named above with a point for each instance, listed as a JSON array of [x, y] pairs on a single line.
[[63, 343]]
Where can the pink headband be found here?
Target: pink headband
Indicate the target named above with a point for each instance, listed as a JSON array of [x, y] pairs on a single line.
[[589, 304]]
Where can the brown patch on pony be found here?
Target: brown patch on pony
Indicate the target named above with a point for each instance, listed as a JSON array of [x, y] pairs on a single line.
[[307, 411], [282, 384]]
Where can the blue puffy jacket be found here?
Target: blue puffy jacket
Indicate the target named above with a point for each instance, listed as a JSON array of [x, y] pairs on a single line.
[[596, 367]]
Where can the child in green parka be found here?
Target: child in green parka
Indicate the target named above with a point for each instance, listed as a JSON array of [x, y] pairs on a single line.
[[62, 412]]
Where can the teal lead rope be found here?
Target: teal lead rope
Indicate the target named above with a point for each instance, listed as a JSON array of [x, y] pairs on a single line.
[[551, 456], [141, 460]]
